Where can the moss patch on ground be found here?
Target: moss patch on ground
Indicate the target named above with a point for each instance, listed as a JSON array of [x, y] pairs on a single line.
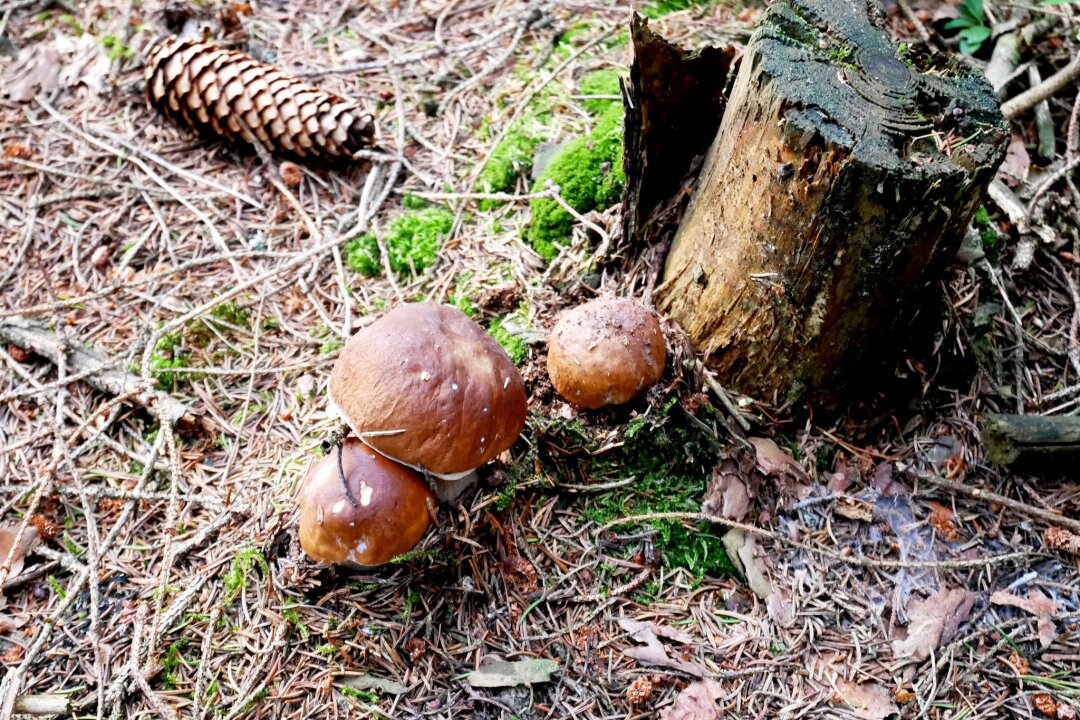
[[663, 7], [412, 241], [671, 461], [510, 331], [174, 350], [590, 176], [511, 159], [600, 82]]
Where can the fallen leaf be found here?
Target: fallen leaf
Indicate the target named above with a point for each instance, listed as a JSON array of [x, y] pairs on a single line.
[[8, 536], [634, 627], [37, 69], [779, 607], [727, 495], [696, 702], [1014, 169], [772, 460], [1046, 632], [370, 682], [653, 651], [1035, 603], [869, 701], [496, 672], [933, 622], [742, 549]]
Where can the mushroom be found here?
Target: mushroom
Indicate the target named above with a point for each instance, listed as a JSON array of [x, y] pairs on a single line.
[[605, 351], [428, 387], [359, 507]]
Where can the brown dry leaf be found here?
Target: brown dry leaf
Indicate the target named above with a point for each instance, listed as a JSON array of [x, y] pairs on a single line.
[[933, 622], [1014, 170], [653, 651], [1046, 632], [727, 496], [1065, 711], [772, 460], [696, 702], [854, 509], [1035, 603], [37, 69], [8, 536], [869, 701]]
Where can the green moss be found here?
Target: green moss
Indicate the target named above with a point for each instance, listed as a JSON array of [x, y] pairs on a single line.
[[510, 331], [236, 578], [670, 460], [511, 159], [590, 176], [171, 664], [412, 242], [663, 7], [599, 82], [464, 303], [231, 313]]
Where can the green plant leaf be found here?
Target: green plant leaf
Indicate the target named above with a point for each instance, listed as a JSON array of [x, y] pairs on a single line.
[[972, 10], [955, 23], [972, 38]]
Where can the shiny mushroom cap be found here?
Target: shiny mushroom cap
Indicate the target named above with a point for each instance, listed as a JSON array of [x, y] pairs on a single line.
[[389, 517], [427, 386], [605, 352]]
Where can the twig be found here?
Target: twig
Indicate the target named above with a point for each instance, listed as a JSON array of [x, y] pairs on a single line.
[[1044, 90], [1016, 505], [98, 371]]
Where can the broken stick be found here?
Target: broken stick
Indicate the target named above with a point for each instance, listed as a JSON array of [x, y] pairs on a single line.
[[96, 368]]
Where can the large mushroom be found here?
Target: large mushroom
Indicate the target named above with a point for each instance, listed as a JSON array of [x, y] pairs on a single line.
[[427, 386], [359, 507], [605, 352]]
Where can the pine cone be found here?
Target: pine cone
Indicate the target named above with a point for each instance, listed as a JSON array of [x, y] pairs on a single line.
[[226, 94]]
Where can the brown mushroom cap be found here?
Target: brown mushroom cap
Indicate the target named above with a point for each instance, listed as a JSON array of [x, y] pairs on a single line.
[[427, 386], [605, 352], [389, 518]]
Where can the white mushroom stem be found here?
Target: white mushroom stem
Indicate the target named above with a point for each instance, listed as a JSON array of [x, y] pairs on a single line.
[[447, 486]]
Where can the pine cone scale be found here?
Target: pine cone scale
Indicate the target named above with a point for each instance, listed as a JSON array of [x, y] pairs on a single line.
[[226, 94]]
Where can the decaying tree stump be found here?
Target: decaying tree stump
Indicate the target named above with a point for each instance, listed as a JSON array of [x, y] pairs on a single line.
[[837, 188]]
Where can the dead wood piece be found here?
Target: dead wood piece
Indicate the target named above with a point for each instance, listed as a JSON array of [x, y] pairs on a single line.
[[675, 101], [837, 190], [42, 705], [1032, 440], [97, 369]]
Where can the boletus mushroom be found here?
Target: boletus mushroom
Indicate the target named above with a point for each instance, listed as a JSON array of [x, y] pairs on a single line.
[[359, 507], [427, 386], [605, 352]]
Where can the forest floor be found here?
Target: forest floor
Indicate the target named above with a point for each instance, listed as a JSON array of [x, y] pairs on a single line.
[[165, 578]]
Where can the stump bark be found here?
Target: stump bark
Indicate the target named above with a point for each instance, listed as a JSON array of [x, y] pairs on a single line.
[[837, 189]]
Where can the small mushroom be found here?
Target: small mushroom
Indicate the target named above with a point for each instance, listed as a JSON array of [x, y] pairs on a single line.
[[605, 351], [359, 507], [428, 387]]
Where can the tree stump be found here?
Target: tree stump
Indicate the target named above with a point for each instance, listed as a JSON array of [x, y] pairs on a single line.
[[836, 191]]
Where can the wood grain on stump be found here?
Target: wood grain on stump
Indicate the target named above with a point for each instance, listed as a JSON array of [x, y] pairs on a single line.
[[837, 189]]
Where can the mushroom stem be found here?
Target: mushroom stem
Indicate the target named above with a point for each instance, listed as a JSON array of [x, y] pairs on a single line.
[[341, 472]]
